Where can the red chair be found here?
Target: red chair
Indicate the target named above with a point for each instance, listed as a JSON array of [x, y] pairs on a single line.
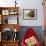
[[29, 33]]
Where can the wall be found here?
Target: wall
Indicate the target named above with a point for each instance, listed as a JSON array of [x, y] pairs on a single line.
[[33, 4], [27, 4], [6, 3]]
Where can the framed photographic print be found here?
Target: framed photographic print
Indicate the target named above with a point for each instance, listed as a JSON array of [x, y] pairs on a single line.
[[5, 12], [29, 14], [13, 12]]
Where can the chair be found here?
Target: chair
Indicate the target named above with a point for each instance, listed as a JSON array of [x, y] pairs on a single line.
[[29, 33]]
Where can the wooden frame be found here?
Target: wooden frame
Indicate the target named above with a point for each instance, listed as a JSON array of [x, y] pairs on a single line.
[[29, 14], [6, 25]]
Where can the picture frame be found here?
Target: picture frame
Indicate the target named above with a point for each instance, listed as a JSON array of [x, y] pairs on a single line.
[[5, 12], [29, 14], [13, 12]]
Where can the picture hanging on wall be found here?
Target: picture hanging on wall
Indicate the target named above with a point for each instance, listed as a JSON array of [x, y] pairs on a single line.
[[29, 14]]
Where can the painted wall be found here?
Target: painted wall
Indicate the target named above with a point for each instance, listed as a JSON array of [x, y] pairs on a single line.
[[27, 4], [33, 4]]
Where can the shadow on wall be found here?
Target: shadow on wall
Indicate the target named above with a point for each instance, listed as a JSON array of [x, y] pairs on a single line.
[[37, 29]]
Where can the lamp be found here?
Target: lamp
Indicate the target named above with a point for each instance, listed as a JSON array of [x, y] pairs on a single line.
[[15, 3]]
